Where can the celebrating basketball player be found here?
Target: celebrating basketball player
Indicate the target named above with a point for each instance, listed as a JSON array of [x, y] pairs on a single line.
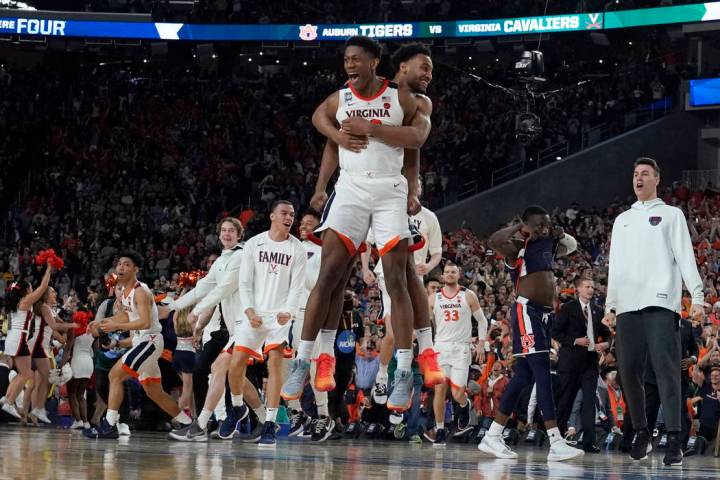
[[452, 309], [140, 316], [371, 191], [272, 276]]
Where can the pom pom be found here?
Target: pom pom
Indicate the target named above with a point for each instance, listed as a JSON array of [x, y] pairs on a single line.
[[49, 257]]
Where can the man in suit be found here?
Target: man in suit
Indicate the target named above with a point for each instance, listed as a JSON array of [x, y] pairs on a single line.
[[582, 337]]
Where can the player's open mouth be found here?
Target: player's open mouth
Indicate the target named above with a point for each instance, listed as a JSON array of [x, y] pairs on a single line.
[[353, 76]]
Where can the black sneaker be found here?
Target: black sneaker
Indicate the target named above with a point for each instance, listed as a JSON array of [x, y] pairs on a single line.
[[309, 429], [234, 416], [463, 419], [641, 445], [191, 433], [323, 429], [297, 423], [104, 430], [440, 436], [674, 454]]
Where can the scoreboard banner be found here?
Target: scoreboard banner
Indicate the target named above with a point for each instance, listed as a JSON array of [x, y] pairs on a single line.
[[13, 22]]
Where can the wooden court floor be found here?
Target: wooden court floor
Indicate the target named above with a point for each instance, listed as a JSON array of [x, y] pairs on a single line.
[[50, 453]]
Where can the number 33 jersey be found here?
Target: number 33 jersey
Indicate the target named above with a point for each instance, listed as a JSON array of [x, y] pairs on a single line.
[[453, 318]]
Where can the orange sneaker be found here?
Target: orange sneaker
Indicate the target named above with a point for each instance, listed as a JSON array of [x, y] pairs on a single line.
[[325, 375], [431, 371]]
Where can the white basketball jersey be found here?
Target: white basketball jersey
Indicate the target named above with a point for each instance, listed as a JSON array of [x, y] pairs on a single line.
[[128, 305], [382, 108], [453, 318], [429, 227], [312, 270]]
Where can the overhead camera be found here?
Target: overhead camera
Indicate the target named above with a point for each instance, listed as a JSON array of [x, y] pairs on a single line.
[[530, 69]]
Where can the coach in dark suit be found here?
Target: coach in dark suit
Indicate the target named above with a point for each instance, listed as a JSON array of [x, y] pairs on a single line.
[[582, 337]]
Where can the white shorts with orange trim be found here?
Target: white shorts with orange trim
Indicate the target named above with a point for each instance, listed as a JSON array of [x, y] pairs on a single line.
[[363, 201], [270, 333], [455, 359], [141, 361]]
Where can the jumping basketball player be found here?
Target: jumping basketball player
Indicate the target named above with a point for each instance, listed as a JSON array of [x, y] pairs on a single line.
[[414, 73], [139, 314], [272, 276], [371, 191], [531, 263]]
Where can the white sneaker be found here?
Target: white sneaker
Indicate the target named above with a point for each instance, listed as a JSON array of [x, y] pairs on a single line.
[[11, 410], [86, 425], [77, 425], [123, 429], [41, 415], [560, 451], [495, 446]]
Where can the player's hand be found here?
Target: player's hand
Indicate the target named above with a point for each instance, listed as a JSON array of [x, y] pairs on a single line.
[[696, 312], [413, 204], [357, 126], [354, 143], [317, 202], [369, 277], [601, 347], [609, 320], [422, 269], [480, 352], [582, 342], [197, 338], [283, 318], [108, 326], [256, 321]]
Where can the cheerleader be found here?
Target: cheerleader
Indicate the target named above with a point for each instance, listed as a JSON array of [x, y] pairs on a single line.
[[82, 367], [47, 326], [20, 301], [184, 357]]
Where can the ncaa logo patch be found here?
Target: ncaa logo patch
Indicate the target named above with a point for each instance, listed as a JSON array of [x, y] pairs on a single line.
[[308, 32], [348, 96], [655, 221]]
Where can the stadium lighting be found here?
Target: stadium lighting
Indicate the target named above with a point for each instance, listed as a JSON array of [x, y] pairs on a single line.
[[249, 59], [145, 60], [261, 54], [277, 61], [600, 61], [558, 158], [469, 58]]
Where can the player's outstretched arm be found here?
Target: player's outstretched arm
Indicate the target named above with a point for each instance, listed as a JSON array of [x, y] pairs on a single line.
[[328, 165]]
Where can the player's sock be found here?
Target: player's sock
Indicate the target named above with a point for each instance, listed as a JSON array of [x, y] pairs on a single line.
[[271, 415], [327, 342], [204, 418], [261, 413], [404, 358], [305, 349], [495, 429], [554, 435], [183, 418], [237, 400], [383, 372], [424, 338], [112, 417], [295, 405], [439, 425], [323, 410]]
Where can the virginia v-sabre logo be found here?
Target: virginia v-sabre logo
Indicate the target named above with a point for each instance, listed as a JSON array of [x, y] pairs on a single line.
[[593, 21]]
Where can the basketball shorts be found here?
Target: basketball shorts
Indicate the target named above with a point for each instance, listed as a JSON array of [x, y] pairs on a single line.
[[361, 201], [455, 359], [183, 361], [16, 343], [270, 333], [141, 361], [530, 323]]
